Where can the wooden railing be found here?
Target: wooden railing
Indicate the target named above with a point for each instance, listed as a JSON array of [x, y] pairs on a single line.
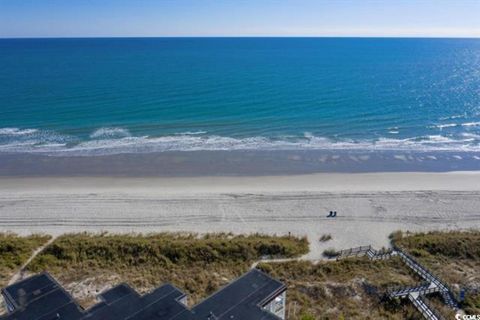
[[365, 251], [447, 293], [432, 283], [403, 291], [425, 308], [353, 252]]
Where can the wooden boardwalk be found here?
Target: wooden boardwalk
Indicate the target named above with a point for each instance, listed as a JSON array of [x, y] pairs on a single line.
[[416, 294]]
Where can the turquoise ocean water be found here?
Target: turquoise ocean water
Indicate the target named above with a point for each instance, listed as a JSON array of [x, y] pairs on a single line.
[[109, 96]]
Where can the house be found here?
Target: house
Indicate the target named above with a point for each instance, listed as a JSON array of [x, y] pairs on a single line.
[[252, 296]]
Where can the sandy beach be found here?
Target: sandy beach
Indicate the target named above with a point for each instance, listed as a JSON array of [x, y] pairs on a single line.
[[369, 206]]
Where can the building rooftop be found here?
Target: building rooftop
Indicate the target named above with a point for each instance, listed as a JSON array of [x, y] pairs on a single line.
[[40, 297], [242, 299]]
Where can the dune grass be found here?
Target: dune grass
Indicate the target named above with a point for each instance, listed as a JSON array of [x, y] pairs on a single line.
[[15, 250], [325, 238], [199, 265], [453, 256], [345, 289], [348, 289]]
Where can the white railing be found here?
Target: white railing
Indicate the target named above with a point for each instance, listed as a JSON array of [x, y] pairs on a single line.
[[425, 309], [430, 277], [365, 251], [434, 283], [404, 291]]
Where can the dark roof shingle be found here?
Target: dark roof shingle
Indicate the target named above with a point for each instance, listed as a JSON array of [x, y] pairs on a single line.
[[41, 298]]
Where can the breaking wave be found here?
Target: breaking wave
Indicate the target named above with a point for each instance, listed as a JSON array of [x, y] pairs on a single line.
[[106, 133], [118, 140], [471, 124], [452, 125], [16, 131]]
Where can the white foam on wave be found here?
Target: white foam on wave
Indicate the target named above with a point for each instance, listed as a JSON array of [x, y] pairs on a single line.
[[471, 135], [110, 132], [471, 124], [211, 143], [191, 133], [32, 140], [117, 140], [16, 131], [446, 125], [452, 125], [455, 116]]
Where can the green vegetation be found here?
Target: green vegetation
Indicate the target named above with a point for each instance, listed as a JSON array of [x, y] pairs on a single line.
[[471, 305], [453, 256], [325, 238], [197, 264], [330, 253], [453, 245], [350, 288], [14, 251]]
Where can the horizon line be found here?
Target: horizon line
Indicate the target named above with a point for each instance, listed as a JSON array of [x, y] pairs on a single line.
[[252, 36]]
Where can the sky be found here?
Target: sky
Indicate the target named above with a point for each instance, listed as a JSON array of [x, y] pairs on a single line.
[[156, 18]]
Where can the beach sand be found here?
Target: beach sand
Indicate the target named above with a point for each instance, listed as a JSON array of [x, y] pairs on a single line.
[[369, 206]]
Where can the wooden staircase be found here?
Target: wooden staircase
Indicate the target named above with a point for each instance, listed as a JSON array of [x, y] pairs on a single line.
[[416, 294]]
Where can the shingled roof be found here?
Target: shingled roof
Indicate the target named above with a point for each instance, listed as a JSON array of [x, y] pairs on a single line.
[[40, 297]]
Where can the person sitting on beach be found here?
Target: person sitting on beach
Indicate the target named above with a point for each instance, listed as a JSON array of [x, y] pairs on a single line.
[[332, 214]]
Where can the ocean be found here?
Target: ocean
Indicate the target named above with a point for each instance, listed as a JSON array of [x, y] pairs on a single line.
[[88, 97]]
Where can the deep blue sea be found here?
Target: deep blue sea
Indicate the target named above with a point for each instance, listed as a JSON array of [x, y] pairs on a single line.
[[106, 96]]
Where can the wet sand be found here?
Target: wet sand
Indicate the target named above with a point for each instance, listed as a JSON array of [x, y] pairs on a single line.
[[236, 163]]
